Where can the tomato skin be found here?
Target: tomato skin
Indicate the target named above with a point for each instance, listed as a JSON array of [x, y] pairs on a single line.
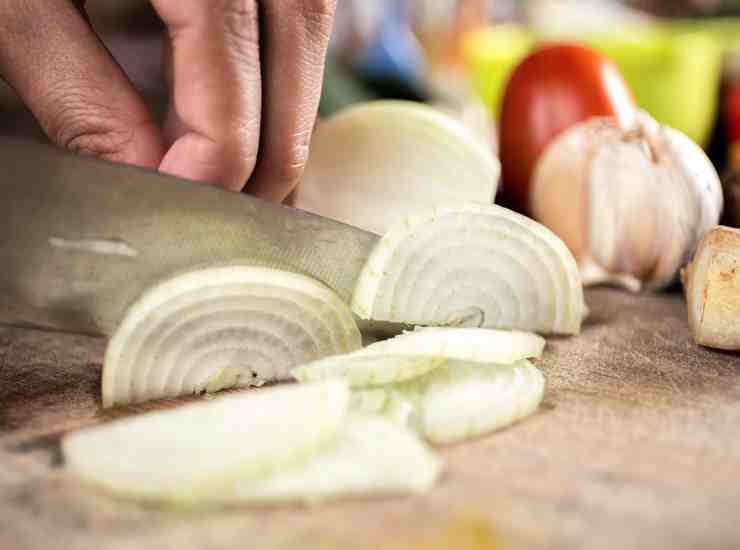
[[552, 89]]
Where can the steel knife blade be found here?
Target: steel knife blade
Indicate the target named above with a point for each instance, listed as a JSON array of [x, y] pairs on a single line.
[[81, 238]]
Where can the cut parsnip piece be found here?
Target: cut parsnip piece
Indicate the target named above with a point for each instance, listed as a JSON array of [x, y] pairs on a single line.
[[361, 370], [466, 344], [712, 283], [394, 158], [371, 456], [472, 265], [222, 327], [182, 456]]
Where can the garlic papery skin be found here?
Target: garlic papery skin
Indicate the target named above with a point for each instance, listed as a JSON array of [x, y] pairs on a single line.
[[631, 202]]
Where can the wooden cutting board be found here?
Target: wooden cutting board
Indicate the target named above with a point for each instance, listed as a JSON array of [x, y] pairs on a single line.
[[635, 446]]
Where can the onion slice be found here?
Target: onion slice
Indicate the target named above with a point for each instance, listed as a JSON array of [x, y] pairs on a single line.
[[363, 370], [477, 345], [464, 400], [472, 265], [183, 455], [393, 158], [222, 327], [458, 401], [370, 456]]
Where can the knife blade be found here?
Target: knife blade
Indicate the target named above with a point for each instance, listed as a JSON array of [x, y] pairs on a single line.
[[81, 238]]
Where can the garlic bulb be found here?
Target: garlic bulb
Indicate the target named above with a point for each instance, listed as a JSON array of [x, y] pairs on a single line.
[[631, 202]]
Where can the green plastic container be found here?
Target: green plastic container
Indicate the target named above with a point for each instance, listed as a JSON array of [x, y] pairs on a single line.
[[673, 70]]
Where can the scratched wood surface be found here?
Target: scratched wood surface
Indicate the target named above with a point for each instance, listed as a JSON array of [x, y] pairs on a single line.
[[636, 446]]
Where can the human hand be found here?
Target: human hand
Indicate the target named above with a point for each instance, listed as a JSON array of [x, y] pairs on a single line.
[[244, 82]]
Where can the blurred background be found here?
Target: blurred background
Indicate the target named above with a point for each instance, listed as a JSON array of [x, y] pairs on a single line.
[[681, 58]]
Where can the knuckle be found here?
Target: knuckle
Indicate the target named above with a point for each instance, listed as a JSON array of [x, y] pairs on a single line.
[[88, 128], [240, 18], [289, 166], [319, 11]]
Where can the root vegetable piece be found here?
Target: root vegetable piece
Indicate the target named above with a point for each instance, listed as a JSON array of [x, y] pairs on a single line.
[[182, 456], [630, 201], [712, 284], [223, 327], [370, 456], [472, 265], [375, 163], [554, 88], [465, 400]]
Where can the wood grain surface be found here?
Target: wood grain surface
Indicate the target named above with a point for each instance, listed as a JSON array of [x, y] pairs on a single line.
[[635, 446]]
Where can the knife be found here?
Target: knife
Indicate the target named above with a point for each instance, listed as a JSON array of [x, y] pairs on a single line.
[[81, 238]]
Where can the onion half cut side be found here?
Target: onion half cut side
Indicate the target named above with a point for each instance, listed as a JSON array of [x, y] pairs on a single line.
[[370, 456], [375, 163], [182, 456], [223, 327], [474, 266]]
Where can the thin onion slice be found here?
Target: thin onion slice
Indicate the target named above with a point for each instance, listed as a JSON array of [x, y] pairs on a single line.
[[463, 400], [362, 370], [180, 455], [371, 456], [392, 159], [222, 327], [472, 265], [477, 345], [458, 401]]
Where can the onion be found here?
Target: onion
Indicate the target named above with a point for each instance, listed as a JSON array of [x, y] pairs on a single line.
[[361, 370], [375, 163], [415, 353], [464, 400], [370, 456], [459, 400], [223, 327], [631, 200], [183, 455], [466, 344], [472, 265]]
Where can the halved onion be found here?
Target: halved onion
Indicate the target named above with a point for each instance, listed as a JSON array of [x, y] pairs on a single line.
[[222, 327], [183, 455], [472, 265], [375, 163], [362, 370], [464, 400], [370, 456]]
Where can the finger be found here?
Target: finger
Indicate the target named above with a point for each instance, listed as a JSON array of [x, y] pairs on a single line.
[[213, 124], [296, 35], [79, 95]]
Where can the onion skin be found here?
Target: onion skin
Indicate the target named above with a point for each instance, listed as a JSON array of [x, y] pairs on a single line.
[[553, 89], [631, 201]]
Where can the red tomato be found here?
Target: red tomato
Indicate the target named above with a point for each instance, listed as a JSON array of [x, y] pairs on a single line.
[[732, 114], [554, 88]]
